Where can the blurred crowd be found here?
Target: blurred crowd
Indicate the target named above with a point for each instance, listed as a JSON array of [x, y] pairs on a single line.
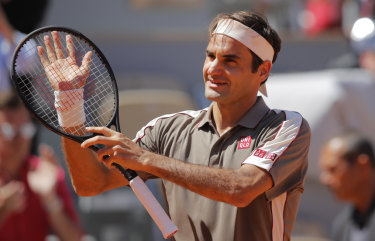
[[35, 199], [312, 18]]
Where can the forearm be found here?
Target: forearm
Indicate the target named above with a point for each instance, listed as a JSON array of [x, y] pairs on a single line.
[[234, 186], [89, 176], [64, 227]]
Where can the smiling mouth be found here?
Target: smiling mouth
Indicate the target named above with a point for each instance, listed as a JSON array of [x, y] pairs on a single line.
[[216, 82]]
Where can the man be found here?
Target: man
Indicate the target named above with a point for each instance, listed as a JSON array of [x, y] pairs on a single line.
[[9, 38], [34, 199], [232, 171], [348, 169], [362, 41]]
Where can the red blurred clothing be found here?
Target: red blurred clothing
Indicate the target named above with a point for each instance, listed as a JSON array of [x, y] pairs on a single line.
[[322, 15], [32, 223]]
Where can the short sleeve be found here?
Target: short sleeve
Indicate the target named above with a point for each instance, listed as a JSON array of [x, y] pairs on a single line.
[[285, 156], [147, 136]]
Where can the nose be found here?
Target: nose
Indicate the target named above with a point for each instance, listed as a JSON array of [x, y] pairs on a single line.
[[215, 67], [325, 178]]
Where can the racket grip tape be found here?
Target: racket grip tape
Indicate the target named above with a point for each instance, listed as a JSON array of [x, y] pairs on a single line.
[[165, 224]]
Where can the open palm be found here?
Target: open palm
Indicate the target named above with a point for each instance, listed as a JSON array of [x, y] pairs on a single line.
[[63, 72]]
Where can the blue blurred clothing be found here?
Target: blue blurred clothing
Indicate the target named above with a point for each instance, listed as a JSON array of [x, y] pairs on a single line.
[[6, 54]]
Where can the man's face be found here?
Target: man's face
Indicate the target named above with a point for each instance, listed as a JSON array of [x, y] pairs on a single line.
[[15, 137], [340, 176], [227, 72]]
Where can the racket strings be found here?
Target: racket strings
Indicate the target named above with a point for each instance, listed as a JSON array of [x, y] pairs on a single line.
[[32, 81]]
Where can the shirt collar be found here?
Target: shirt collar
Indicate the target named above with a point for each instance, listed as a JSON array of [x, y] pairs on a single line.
[[256, 113], [251, 118], [207, 117]]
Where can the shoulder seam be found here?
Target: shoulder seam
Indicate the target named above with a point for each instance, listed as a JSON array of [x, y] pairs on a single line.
[[141, 133]]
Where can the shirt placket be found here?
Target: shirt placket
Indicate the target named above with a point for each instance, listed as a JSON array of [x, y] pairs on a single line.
[[217, 147]]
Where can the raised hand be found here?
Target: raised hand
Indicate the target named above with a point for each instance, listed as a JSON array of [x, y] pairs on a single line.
[[43, 178], [63, 72], [12, 197]]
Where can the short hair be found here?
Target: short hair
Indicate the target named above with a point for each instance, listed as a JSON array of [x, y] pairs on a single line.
[[256, 22], [356, 144]]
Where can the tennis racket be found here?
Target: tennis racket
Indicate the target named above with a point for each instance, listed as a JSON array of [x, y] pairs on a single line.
[[32, 82]]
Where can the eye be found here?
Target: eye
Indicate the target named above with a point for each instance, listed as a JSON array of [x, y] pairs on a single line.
[[7, 131], [230, 61], [210, 55]]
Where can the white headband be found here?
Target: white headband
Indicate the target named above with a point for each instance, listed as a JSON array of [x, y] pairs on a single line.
[[248, 37]]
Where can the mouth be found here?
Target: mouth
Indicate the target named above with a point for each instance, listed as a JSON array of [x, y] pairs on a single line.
[[217, 82]]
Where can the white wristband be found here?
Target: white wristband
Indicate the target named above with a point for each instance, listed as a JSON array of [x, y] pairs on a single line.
[[69, 105]]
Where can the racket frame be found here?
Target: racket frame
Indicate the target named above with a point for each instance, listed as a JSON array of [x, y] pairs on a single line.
[[114, 120]]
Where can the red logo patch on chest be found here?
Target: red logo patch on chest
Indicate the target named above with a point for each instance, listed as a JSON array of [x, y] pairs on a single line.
[[244, 142]]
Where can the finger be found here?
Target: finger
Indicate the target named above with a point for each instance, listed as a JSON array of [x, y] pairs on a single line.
[[121, 157], [86, 61], [50, 52], [58, 46], [102, 140], [118, 157], [108, 160], [105, 153], [15, 187], [43, 57], [70, 46], [101, 130]]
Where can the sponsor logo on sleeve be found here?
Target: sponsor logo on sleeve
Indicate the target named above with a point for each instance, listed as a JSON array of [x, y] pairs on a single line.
[[244, 142], [271, 156], [260, 153], [264, 154]]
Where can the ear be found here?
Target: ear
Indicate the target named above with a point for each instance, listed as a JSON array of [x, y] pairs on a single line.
[[264, 69], [363, 160]]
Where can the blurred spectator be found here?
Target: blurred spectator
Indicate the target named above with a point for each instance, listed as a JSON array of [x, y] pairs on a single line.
[[285, 15], [362, 40], [24, 15], [17, 18], [348, 169], [322, 15], [362, 47], [34, 198], [8, 41], [365, 8]]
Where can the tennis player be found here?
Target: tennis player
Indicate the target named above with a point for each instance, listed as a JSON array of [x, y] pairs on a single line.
[[232, 171]]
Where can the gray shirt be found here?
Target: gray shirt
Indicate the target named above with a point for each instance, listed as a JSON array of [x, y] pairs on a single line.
[[274, 140]]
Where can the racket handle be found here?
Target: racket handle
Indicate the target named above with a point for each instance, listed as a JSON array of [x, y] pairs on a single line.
[[165, 224], [145, 196]]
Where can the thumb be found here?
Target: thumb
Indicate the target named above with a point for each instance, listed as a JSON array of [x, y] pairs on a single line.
[[86, 61]]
